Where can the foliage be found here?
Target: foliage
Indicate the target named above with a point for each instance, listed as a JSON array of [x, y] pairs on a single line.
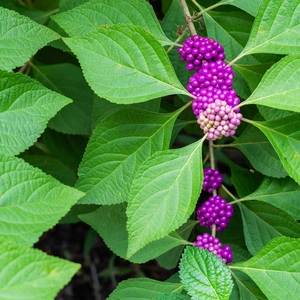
[[96, 88]]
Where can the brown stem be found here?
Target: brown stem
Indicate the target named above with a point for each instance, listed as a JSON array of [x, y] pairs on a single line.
[[188, 17]]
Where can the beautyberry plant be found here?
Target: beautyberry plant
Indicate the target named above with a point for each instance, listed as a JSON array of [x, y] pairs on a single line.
[[171, 131]]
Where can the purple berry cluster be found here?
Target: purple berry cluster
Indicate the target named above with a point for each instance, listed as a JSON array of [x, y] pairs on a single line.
[[195, 49], [214, 245], [212, 180], [212, 82], [215, 211], [219, 120]]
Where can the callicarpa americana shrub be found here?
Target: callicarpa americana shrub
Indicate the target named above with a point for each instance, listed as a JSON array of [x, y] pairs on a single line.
[[173, 133]]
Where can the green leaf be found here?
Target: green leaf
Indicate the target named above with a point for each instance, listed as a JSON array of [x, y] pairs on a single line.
[[92, 14], [68, 80], [172, 297], [285, 140], [260, 152], [238, 253], [118, 146], [165, 191], [115, 62], [20, 38], [26, 107], [31, 201], [248, 289], [204, 275], [263, 222], [27, 273], [143, 288], [113, 219], [275, 92], [276, 266], [249, 7], [65, 5], [276, 28], [283, 193], [272, 114]]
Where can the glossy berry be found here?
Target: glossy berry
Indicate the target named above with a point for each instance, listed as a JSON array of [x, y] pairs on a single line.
[[215, 211], [219, 120], [197, 49], [214, 245], [212, 180]]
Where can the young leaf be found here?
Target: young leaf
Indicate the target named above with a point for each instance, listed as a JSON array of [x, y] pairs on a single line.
[[283, 193], [260, 152], [164, 192], [263, 222], [274, 91], [125, 64], [27, 273], [26, 107], [85, 18], [68, 80], [275, 28], [143, 288], [113, 219], [204, 275], [20, 38], [276, 266], [118, 146], [248, 289], [31, 202], [285, 140]]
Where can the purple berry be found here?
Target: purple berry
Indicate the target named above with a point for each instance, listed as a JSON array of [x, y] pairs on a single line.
[[211, 212], [212, 180], [214, 245]]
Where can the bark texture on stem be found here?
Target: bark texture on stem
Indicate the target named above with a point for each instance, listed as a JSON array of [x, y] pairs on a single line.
[[188, 17]]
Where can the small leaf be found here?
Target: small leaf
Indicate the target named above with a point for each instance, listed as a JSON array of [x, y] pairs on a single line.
[[263, 222], [283, 193], [275, 29], [247, 6], [20, 38], [85, 18], [31, 202], [68, 80], [204, 275], [165, 191], [275, 92], [113, 219], [285, 140], [26, 107], [27, 273], [262, 156], [118, 146], [143, 288], [276, 266], [125, 64]]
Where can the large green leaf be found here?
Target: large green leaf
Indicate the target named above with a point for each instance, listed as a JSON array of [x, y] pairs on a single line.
[[27, 273], [108, 219], [275, 268], [116, 63], [276, 28], [275, 92], [118, 146], [68, 80], [263, 222], [26, 107], [165, 191], [85, 18], [285, 139], [31, 202], [251, 7], [283, 193], [204, 275], [259, 152], [272, 113], [143, 288], [20, 38]]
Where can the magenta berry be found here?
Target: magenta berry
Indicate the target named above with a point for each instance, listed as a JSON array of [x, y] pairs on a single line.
[[219, 120], [196, 49], [212, 180], [215, 211], [214, 245]]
